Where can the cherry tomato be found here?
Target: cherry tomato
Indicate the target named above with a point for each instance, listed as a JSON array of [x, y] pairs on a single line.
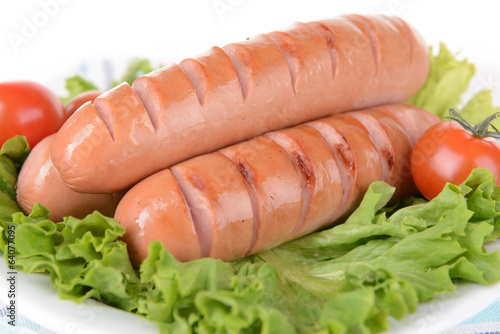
[[29, 109], [447, 152], [80, 99]]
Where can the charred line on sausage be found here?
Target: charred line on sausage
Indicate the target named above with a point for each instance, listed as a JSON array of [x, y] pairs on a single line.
[[368, 29], [304, 170], [390, 158], [245, 170], [197, 181], [250, 183], [337, 144], [380, 140], [395, 155], [331, 42], [304, 164], [344, 151], [405, 121], [295, 153]]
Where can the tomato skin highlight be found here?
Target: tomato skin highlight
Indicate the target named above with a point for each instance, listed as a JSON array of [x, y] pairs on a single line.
[[29, 109], [448, 153], [79, 100]]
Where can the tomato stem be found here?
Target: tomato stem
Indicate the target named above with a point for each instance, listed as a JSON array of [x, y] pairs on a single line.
[[479, 130]]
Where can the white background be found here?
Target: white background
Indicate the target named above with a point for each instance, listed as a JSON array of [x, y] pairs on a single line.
[[49, 40]]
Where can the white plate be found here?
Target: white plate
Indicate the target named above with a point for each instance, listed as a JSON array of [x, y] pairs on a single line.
[[38, 301]]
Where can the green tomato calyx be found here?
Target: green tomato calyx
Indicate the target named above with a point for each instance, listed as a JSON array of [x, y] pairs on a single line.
[[480, 130]]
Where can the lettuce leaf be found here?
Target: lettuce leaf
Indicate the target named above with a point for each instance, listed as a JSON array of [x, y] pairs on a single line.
[[12, 154], [76, 85], [135, 69], [449, 78], [479, 107]]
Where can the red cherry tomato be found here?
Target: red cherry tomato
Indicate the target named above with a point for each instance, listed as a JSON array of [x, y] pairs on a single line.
[[29, 109], [80, 99], [447, 153]]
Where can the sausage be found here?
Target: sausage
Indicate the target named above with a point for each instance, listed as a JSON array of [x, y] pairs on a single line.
[[274, 189], [80, 99], [40, 182], [161, 215], [237, 92], [257, 194]]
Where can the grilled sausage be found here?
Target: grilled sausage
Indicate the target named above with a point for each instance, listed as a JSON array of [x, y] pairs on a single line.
[[40, 182], [257, 194], [237, 92]]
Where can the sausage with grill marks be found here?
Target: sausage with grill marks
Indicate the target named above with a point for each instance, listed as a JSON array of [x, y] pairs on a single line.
[[257, 194], [237, 92]]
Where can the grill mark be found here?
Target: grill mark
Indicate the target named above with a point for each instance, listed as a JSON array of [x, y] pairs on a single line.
[[409, 33], [251, 184], [241, 59], [383, 145], [304, 167], [107, 117], [127, 103], [198, 182], [345, 153], [341, 174], [245, 171], [193, 224], [405, 122], [390, 158], [149, 107], [348, 160], [304, 170], [406, 130], [197, 75], [368, 30], [340, 150], [331, 42], [290, 52], [341, 156], [308, 183]]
